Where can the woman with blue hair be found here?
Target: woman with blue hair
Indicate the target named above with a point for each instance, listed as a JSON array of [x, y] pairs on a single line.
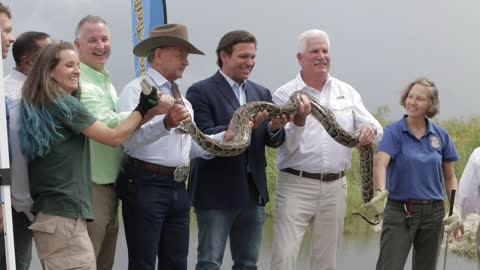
[[54, 126]]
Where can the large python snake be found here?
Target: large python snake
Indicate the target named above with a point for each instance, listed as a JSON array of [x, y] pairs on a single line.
[[242, 136]]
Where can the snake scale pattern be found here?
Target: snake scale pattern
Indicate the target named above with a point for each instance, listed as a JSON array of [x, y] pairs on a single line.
[[243, 131]]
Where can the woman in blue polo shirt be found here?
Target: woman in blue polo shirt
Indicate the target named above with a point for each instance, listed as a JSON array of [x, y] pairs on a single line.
[[413, 158]]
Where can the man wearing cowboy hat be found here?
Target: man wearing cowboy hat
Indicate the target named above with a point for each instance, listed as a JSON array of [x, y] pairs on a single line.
[[155, 204]]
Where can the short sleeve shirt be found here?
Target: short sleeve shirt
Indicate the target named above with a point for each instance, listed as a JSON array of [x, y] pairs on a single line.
[[60, 182], [415, 169]]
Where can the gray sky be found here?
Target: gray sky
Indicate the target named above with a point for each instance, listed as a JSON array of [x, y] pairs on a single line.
[[377, 46]]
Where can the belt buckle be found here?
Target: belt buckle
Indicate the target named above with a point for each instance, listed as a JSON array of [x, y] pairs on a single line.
[[181, 173]]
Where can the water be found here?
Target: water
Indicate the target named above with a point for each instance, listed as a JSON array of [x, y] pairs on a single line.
[[359, 252]]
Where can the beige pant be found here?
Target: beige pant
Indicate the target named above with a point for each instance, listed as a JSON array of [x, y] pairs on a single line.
[[103, 230], [302, 203], [63, 243]]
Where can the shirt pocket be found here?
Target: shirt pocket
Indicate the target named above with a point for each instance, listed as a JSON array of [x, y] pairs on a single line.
[[343, 111]]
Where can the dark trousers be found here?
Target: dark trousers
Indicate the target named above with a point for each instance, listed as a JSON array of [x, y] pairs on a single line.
[[425, 234], [22, 238], [156, 216]]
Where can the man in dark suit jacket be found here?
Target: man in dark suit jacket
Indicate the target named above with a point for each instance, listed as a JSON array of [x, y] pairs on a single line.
[[229, 193]]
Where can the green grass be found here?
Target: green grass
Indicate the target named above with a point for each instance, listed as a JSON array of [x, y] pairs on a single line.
[[465, 134], [271, 155]]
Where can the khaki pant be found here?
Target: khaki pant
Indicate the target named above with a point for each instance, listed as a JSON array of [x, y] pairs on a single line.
[[63, 243], [103, 230], [302, 203]]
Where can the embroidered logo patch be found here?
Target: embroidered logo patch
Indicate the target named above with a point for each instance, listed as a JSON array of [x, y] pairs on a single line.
[[435, 142]]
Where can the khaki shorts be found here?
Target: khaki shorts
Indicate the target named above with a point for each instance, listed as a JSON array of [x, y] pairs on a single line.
[[62, 243]]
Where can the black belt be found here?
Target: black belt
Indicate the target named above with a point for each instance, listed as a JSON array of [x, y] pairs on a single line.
[[416, 201], [154, 168], [317, 176]]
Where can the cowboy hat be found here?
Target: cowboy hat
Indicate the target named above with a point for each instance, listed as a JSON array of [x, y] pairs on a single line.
[[167, 35]]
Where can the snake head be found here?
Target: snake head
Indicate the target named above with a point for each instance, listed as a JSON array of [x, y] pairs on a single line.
[[149, 91], [146, 87]]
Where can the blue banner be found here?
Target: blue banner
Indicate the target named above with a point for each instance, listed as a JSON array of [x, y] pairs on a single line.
[[146, 14]]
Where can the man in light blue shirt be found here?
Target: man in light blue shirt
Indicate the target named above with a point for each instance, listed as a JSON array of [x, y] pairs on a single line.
[[155, 206], [7, 40]]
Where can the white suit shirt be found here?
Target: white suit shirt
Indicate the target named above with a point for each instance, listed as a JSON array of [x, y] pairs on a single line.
[[152, 142], [20, 188], [469, 189], [310, 148]]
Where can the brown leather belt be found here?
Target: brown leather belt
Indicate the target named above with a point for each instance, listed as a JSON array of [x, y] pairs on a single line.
[[317, 176], [154, 168]]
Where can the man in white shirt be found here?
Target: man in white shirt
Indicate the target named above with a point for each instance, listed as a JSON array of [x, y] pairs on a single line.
[[25, 50], [7, 39], [155, 204], [469, 196], [7, 35], [311, 184]]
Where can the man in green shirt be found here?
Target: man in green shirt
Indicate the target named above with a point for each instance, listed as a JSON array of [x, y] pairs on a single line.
[[92, 40]]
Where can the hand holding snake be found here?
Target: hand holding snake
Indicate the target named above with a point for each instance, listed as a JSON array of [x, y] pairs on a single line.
[[300, 105]]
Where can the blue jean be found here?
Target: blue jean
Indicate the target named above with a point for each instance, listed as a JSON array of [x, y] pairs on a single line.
[[22, 238], [243, 226], [156, 216]]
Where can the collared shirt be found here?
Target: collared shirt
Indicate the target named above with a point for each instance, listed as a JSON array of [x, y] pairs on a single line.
[[238, 89], [310, 148], [415, 169], [240, 92], [100, 98], [20, 190], [13, 86], [469, 190], [60, 181], [152, 142]]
